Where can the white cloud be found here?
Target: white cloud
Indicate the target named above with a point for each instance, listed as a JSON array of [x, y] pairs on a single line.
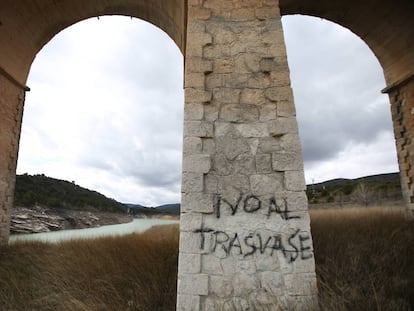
[[106, 107]]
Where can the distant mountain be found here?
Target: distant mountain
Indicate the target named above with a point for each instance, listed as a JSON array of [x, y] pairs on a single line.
[[31, 190], [166, 209]]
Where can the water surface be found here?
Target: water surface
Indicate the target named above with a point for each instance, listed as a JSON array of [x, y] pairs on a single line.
[[137, 225]]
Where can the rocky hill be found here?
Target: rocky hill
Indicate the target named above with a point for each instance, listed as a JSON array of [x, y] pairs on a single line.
[[40, 190]]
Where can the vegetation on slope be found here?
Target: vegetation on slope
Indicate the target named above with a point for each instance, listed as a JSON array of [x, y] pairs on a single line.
[[370, 190], [364, 261], [54, 193]]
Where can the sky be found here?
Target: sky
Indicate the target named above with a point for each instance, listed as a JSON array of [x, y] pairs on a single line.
[[105, 108]]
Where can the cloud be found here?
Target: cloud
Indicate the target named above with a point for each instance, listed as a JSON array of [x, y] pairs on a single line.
[[336, 81], [106, 107], [107, 100]]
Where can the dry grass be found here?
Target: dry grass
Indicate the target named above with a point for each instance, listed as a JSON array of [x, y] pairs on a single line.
[[134, 272], [365, 261]]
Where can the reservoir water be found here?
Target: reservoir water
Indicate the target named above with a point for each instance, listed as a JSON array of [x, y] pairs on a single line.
[[137, 225]]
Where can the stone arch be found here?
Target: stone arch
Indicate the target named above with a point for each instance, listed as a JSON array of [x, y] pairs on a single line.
[[386, 26], [25, 27]]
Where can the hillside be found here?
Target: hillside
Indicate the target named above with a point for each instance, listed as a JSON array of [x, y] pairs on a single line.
[[368, 190], [166, 209], [32, 190]]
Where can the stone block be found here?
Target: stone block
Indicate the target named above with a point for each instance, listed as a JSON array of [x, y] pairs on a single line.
[[272, 282], [301, 284], [267, 64], [268, 112], [269, 144], [196, 163], [264, 163], [286, 108], [195, 80], [211, 265], [283, 126], [221, 286], [295, 181], [197, 202], [198, 129], [237, 183], [226, 96], [266, 184], [277, 94], [188, 303], [189, 263], [249, 130], [222, 165], [236, 80], [267, 263], [244, 164], [291, 143], [198, 13], [193, 95], [239, 113], [190, 243], [247, 62], [193, 284], [223, 65], [287, 161], [297, 201], [198, 65], [193, 112], [192, 182], [190, 222], [232, 147], [192, 145], [243, 284], [211, 113], [252, 96]]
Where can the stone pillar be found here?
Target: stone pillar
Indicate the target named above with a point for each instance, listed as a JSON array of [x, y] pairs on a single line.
[[245, 241], [11, 107], [402, 111]]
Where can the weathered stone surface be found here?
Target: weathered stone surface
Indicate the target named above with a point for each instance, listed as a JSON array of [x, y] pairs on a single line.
[[196, 163], [295, 181], [192, 145], [266, 184], [286, 161], [198, 129], [264, 163], [283, 126], [192, 182], [197, 202], [193, 284], [190, 263]]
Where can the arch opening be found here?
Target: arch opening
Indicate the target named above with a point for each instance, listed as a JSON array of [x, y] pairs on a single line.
[[344, 120], [105, 111]]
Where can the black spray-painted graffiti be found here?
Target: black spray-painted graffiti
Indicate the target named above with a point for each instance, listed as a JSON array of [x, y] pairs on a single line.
[[294, 246], [252, 204]]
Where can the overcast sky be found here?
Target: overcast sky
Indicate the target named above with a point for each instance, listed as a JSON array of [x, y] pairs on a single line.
[[106, 102]]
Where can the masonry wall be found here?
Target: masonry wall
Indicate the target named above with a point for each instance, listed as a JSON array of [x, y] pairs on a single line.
[[402, 110], [245, 239], [11, 104]]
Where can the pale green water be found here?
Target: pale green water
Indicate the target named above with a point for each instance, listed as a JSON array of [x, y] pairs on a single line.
[[137, 225]]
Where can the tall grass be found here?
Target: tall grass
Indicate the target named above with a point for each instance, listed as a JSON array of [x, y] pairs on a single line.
[[134, 272], [364, 261]]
